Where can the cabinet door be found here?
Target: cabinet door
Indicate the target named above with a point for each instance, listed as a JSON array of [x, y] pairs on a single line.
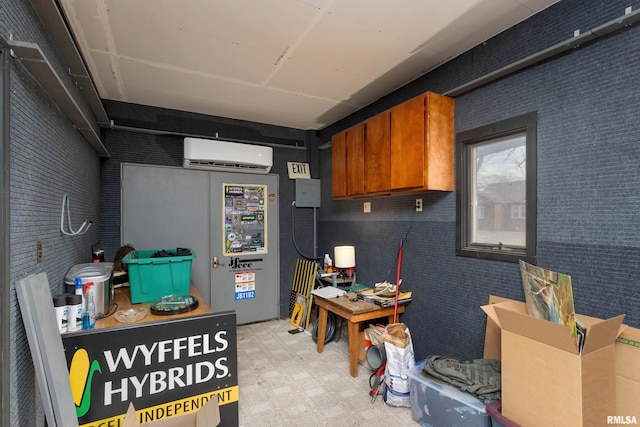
[[355, 160], [439, 138], [408, 145], [377, 151], [339, 165]]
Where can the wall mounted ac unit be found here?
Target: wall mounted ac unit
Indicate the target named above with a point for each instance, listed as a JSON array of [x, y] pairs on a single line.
[[215, 155]]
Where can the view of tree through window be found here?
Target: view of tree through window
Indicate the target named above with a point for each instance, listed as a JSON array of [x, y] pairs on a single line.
[[499, 186], [496, 190]]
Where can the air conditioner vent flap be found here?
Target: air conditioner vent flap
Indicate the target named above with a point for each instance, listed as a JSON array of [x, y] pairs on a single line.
[[226, 156]]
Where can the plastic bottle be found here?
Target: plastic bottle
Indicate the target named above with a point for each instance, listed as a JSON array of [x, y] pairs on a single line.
[[60, 306], [74, 312], [328, 263], [79, 290], [78, 284], [89, 314]]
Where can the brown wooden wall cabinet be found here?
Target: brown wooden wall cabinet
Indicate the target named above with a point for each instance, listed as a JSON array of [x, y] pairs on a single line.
[[347, 162], [355, 160], [377, 165], [408, 145], [406, 149]]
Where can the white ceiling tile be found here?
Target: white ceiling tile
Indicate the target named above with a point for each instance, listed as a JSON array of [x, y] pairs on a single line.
[[267, 25], [410, 20], [298, 63], [405, 72], [316, 3], [366, 54], [316, 80], [107, 79], [502, 14], [189, 48], [218, 97], [89, 22]]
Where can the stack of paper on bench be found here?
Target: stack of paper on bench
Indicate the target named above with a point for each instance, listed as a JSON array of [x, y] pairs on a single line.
[[370, 296]]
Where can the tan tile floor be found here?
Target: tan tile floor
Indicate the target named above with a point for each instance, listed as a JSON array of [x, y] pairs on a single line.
[[284, 382]]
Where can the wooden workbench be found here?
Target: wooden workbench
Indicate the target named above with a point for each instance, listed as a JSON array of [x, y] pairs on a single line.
[[355, 312]]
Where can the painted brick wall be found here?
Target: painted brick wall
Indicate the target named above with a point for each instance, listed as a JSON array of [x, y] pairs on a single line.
[[588, 180], [48, 158]]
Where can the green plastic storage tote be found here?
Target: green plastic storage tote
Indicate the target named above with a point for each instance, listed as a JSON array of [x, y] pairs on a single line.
[[151, 277]]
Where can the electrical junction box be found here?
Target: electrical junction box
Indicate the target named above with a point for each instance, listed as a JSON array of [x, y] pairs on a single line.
[[307, 193]]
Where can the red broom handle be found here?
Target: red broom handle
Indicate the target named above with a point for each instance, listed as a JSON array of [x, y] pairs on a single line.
[[395, 305]]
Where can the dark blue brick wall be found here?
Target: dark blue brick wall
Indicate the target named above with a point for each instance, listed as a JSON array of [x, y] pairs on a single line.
[[48, 157], [588, 198]]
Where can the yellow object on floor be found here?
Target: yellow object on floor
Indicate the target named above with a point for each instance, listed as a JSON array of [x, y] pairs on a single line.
[[304, 279], [298, 312]]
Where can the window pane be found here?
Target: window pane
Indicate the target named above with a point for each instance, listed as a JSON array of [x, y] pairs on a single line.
[[498, 191]]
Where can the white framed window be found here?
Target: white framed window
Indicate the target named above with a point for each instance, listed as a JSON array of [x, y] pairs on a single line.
[[496, 171], [518, 212]]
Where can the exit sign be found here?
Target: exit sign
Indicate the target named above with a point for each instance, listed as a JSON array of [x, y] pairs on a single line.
[[298, 170]]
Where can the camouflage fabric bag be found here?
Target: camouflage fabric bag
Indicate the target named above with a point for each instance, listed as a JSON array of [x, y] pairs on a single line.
[[480, 377]]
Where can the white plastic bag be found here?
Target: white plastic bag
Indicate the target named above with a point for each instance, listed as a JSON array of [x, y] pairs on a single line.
[[400, 359]]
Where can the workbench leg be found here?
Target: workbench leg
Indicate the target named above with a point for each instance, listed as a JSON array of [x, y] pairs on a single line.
[[391, 319], [322, 328], [354, 330]]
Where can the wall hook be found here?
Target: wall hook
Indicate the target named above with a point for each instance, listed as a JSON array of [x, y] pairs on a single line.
[[83, 228]]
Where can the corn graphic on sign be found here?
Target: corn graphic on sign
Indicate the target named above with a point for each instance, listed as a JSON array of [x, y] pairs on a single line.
[[164, 369], [81, 376]]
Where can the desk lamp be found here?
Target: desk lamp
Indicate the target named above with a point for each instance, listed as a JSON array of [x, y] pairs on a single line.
[[345, 260]]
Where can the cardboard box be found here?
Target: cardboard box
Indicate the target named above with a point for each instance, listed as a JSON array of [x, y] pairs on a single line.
[[208, 415], [435, 404], [362, 349], [493, 333], [627, 368], [544, 380]]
